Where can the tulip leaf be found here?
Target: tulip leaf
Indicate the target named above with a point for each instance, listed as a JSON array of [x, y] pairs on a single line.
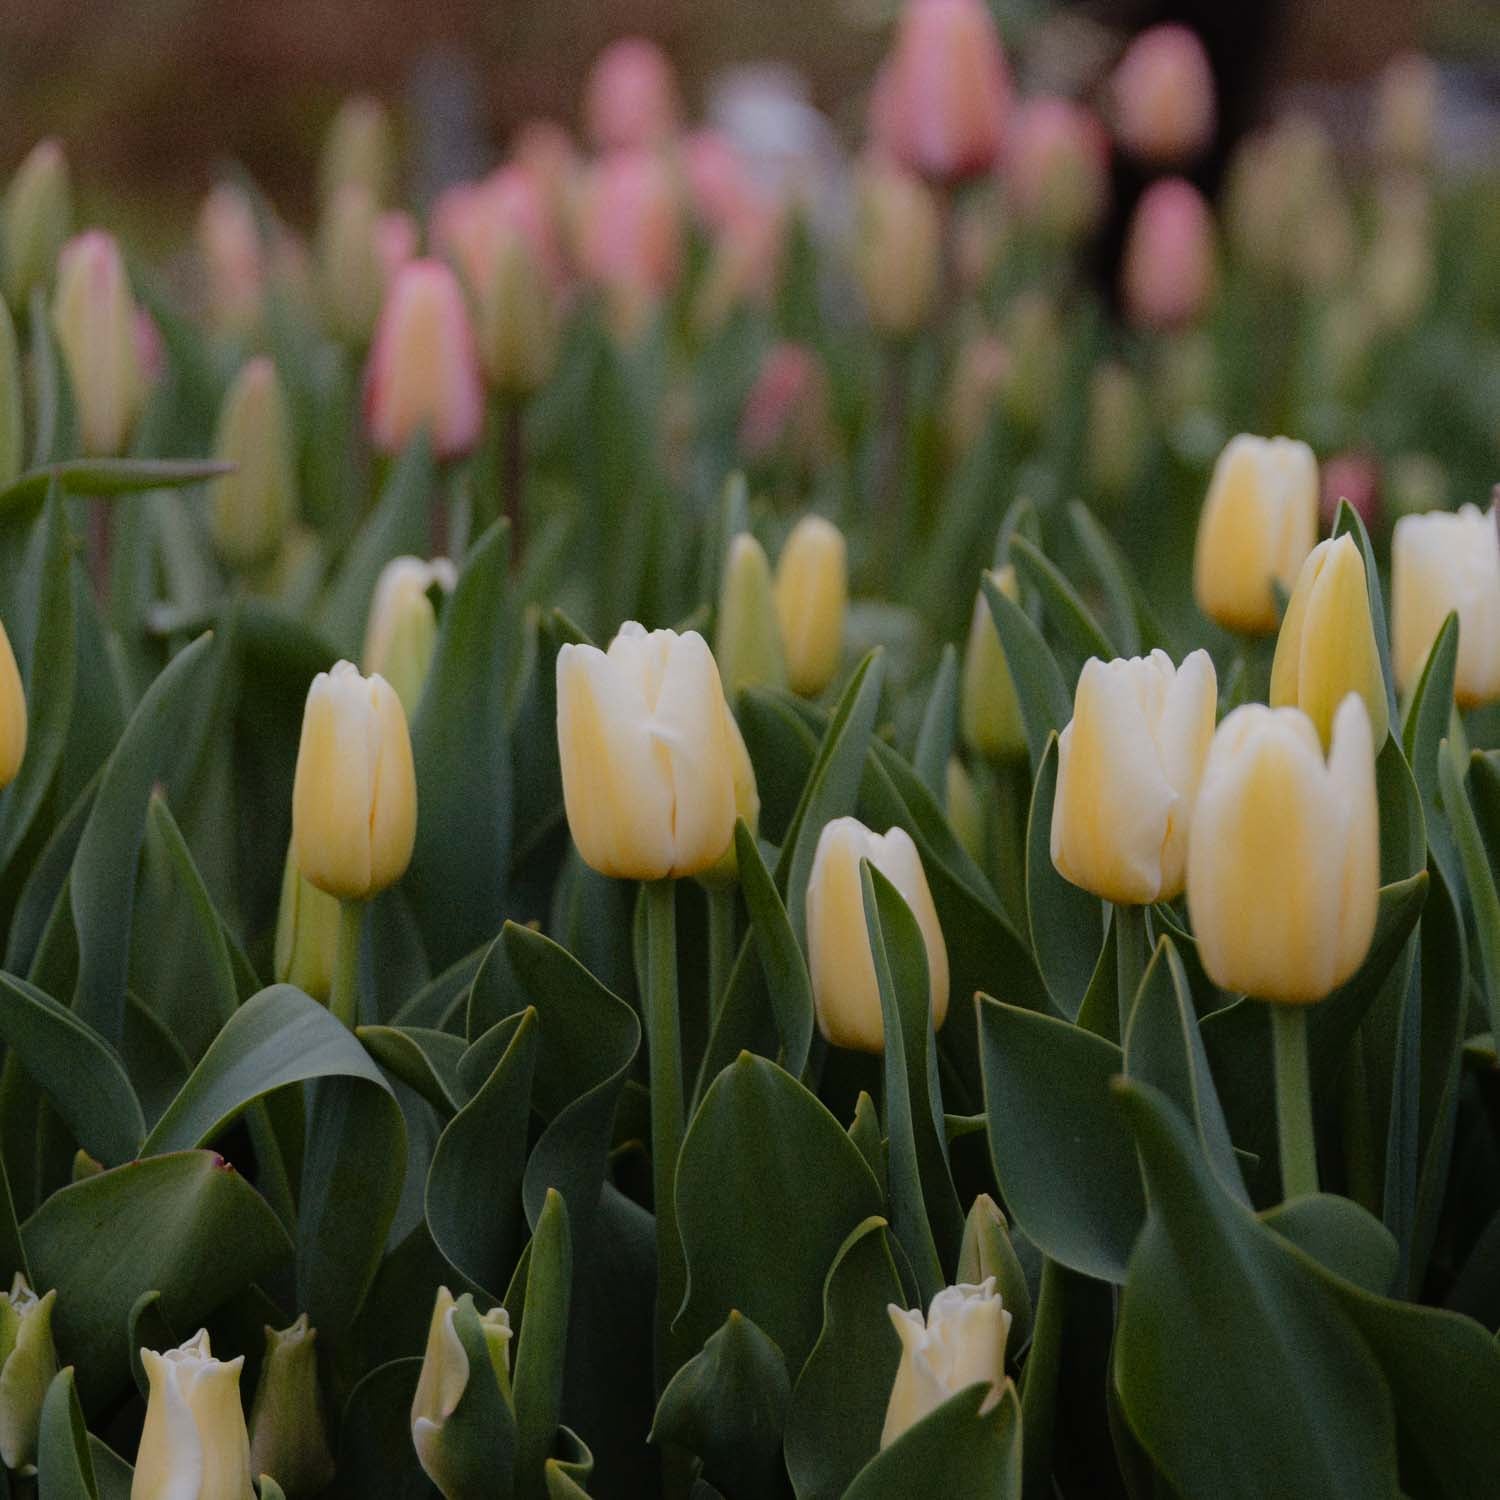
[[423, 1059], [428, 1006], [65, 1464], [1428, 715], [1040, 1376], [1067, 1170], [112, 1474], [782, 745], [187, 1223], [376, 1456], [542, 1352], [1074, 621], [1121, 593], [1347, 521], [1340, 1236], [568, 1471], [269, 1489], [988, 1251], [106, 478], [768, 1187], [1403, 824], [1100, 1010], [939, 731], [1046, 703], [1474, 860], [55, 427]]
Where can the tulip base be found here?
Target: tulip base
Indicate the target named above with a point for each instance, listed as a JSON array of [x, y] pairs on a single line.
[[343, 995], [1294, 1117]]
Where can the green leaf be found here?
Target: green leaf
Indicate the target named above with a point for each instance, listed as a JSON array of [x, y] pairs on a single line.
[[939, 731], [423, 1059], [542, 1353], [787, 981], [1347, 521], [1121, 593], [65, 1466], [376, 1456], [1046, 703], [1428, 715], [54, 427], [1074, 621], [1339, 1235], [1478, 872], [105, 478]]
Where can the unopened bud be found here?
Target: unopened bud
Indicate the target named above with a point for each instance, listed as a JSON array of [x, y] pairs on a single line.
[[307, 934], [358, 149], [402, 630], [255, 503], [897, 249], [37, 218], [28, 1361], [747, 642], [288, 1440]]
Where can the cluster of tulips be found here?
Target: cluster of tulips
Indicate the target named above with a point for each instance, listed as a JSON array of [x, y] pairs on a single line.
[[802, 1049]]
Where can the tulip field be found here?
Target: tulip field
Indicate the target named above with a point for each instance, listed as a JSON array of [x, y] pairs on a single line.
[[710, 821]]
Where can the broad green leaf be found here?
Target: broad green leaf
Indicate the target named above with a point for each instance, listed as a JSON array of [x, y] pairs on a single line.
[[787, 981], [104, 478], [1121, 593], [542, 1352], [1428, 714], [1046, 703], [1340, 1236], [1073, 619], [1478, 871], [939, 729], [423, 1059], [1347, 520], [782, 749], [375, 1454], [65, 1466]]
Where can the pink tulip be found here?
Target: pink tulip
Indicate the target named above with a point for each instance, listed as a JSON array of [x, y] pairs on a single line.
[[630, 229], [941, 100], [787, 408], [1057, 161], [1163, 90], [234, 260], [631, 97], [1169, 272], [423, 372], [718, 181], [472, 220], [1354, 477]]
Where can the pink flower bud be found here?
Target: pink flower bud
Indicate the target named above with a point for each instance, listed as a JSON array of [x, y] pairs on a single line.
[[1058, 166], [1169, 271], [1354, 477], [941, 100], [630, 231], [470, 223], [631, 98], [150, 349], [787, 410], [396, 240], [233, 259], [1163, 88], [423, 372], [718, 180]]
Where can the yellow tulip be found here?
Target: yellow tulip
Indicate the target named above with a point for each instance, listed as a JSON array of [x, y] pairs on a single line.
[[1284, 856], [898, 250], [965, 815], [812, 597], [646, 745], [354, 801], [402, 630], [194, 1441], [1259, 522], [845, 990], [1326, 649], [12, 713], [990, 712], [1128, 769], [254, 504], [35, 218], [1442, 562], [747, 637]]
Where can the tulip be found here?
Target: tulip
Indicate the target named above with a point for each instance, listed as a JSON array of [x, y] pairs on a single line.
[[423, 372], [307, 934], [647, 758], [253, 505], [35, 219], [1354, 477], [194, 1443], [1408, 102], [1168, 276], [351, 277], [630, 234], [726, 869], [519, 328], [229, 245], [1118, 427], [358, 149], [718, 180], [93, 316], [846, 992], [402, 630], [1259, 522], [941, 101], [12, 713], [965, 814], [960, 1343], [1128, 769], [396, 240], [747, 637], [1400, 269], [1441, 563], [1326, 649], [28, 1361], [1058, 167], [12, 402], [1163, 90], [812, 598], [288, 1439], [786, 412], [1037, 343], [1286, 210], [989, 710], [630, 99], [470, 222], [897, 249]]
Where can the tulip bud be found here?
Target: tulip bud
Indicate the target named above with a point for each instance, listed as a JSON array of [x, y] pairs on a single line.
[[358, 149], [786, 413], [93, 317], [1118, 427], [965, 816], [1284, 854], [28, 1361], [396, 240], [1128, 767], [12, 713], [812, 597], [253, 505], [288, 1440], [1058, 167], [423, 372], [897, 249], [1259, 522], [644, 738], [351, 277], [1408, 101], [1401, 264], [402, 630], [229, 245], [12, 402], [307, 933], [1038, 358], [1163, 91], [846, 992], [1440, 563], [990, 712], [35, 219], [630, 100], [194, 1442], [1354, 477], [1168, 276], [354, 800], [941, 101], [518, 320], [747, 637], [630, 234], [961, 1342]]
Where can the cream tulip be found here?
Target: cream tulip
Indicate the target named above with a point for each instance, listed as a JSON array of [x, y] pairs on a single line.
[[644, 737], [958, 1344], [12, 713], [194, 1445], [253, 505], [747, 635], [1259, 522], [1128, 769], [354, 801], [28, 1361], [402, 630], [1284, 856], [846, 993], [812, 598], [1440, 563]]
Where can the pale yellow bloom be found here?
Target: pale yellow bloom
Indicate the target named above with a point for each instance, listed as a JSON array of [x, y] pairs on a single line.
[[747, 637], [402, 630], [989, 711], [812, 598], [898, 248], [12, 713], [253, 505]]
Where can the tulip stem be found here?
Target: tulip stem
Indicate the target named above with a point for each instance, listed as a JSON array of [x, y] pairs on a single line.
[[1132, 948], [664, 1048], [513, 472], [1294, 1117], [343, 995]]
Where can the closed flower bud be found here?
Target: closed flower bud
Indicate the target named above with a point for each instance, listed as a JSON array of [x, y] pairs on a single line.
[[961, 1342], [194, 1443], [965, 815], [630, 99], [12, 402], [37, 217], [354, 800], [989, 711], [12, 713], [307, 933], [423, 373], [1119, 427], [747, 636], [1355, 477], [402, 630], [1057, 166], [253, 505], [1169, 273], [1259, 522], [358, 149], [93, 316], [812, 598], [1037, 344], [644, 737], [233, 258], [351, 276], [288, 1440], [1284, 855], [897, 249], [1128, 768], [1442, 562], [28, 1361], [846, 992], [981, 375], [630, 234], [1326, 649], [519, 324], [1163, 92], [1401, 265], [942, 98]]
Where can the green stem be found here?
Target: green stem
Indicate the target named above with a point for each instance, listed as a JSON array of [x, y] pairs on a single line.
[[664, 1048], [721, 946], [1132, 949], [1294, 1118], [343, 995]]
